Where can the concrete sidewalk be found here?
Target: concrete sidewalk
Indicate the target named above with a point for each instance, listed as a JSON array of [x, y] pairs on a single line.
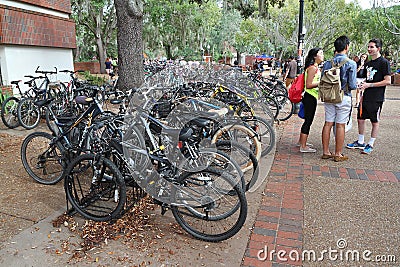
[[316, 205]]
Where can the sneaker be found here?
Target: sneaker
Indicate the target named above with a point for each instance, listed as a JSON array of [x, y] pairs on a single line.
[[307, 150], [355, 144], [367, 149], [307, 144]]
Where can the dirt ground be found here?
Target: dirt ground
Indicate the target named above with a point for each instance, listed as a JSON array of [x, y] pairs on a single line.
[[32, 198]]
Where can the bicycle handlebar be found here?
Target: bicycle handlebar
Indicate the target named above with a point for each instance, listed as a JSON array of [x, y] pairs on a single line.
[[45, 72], [71, 71]]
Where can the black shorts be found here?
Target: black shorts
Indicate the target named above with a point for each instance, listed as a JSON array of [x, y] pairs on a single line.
[[369, 111]]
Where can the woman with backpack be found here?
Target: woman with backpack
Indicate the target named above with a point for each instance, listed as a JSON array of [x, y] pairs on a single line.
[[312, 75]]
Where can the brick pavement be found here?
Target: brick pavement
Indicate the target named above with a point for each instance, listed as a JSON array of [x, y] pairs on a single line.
[[279, 222]]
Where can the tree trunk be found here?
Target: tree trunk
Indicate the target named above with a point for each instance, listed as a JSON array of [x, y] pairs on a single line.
[[168, 51], [102, 54], [130, 43]]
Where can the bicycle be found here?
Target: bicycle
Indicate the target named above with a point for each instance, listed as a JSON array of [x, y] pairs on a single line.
[[28, 110], [9, 108], [68, 139]]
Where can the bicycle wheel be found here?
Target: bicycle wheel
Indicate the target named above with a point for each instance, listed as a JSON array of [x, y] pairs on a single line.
[[280, 89], [265, 132], [259, 107], [42, 159], [95, 187], [9, 114], [240, 133], [244, 157], [286, 107], [28, 113], [212, 208], [273, 106]]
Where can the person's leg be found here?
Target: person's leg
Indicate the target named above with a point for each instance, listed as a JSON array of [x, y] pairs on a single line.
[[339, 138], [377, 108], [362, 114], [326, 135], [375, 129], [357, 97], [343, 111], [361, 126], [288, 82], [310, 106]]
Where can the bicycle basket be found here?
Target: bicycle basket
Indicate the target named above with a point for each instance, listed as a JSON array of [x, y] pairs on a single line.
[[162, 108]]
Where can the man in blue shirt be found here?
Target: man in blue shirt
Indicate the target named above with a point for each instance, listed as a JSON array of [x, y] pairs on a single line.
[[338, 114]]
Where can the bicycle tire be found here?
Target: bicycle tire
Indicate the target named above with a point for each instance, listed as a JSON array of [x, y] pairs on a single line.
[[28, 113], [286, 107], [95, 198], [42, 159], [281, 89], [251, 137], [265, 132], [9, 114], [195, 225], [217, 159], [249, 162], [260, 107], [273, 106]]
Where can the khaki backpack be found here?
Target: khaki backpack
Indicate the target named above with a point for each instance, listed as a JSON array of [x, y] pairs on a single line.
[[330, 87]]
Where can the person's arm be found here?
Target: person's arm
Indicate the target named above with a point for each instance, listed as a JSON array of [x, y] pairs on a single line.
[[311, 71], [287, 72], [352, 82], [386, 81]]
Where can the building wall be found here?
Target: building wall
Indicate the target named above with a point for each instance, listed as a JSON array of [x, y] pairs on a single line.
[[18, 61], [92, 66], [60, 5], [23, 27], [35, 33]]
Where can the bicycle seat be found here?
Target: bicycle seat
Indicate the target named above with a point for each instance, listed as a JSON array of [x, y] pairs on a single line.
[[15, 82], [84, 100], [44, 102], [201, 122], [184, 134], [116, 101]]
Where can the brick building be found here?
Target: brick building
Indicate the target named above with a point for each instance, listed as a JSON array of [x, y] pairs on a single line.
[[35, 33]]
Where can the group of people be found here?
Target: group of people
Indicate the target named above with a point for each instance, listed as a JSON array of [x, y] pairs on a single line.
[[373, 77]]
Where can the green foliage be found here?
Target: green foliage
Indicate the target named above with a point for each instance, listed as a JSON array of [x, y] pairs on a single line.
[[186, 28], [94, 79], [3, 96], [374, 23], [176, 25], [95, 28]]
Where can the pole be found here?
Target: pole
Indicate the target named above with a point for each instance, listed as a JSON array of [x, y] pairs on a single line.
[[300, 39], [300, 48]]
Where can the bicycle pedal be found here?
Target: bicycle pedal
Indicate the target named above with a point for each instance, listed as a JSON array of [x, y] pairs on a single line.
[[164, 209]]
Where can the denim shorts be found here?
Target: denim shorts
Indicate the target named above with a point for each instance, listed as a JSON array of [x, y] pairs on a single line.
[[340, 112]]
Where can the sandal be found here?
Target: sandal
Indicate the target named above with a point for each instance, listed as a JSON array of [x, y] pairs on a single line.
[[327, 156], [340, 158]]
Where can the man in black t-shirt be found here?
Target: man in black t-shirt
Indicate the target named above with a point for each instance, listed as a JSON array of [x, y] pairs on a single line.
[[377, 76]]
